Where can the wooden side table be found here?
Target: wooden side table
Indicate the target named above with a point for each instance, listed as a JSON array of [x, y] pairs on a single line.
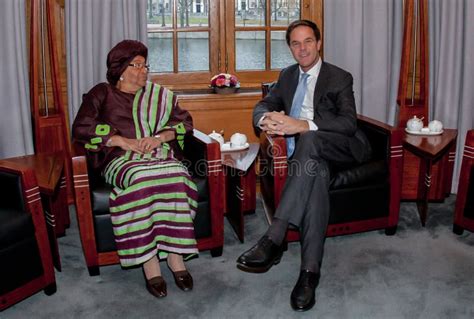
[[430, 149], [49, 171], [240, 185]]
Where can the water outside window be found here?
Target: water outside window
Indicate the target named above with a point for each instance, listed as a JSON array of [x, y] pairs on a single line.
[[193, 51], [280, 55], [250, 50], [160, 52]]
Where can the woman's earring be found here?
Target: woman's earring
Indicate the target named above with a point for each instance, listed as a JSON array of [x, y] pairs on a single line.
[[121, 78]]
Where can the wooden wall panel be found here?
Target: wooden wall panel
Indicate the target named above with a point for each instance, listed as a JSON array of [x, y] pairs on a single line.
[[231, 113]]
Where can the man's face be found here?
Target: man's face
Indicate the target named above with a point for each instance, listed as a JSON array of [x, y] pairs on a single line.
[[304, 47]]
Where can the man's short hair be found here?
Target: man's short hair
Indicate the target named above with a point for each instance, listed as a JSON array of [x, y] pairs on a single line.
[[307, 23]]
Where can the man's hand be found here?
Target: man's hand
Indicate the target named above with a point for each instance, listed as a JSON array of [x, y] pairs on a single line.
[[280, 124]]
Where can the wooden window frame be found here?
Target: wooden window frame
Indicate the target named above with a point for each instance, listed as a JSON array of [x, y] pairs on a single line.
[[222, 47]]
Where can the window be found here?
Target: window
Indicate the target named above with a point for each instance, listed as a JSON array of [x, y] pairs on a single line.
[[191, 40], [259, 33], [178, 39]]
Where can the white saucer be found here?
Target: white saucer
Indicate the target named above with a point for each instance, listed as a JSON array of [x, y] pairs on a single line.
[[423, 133], [227, 148]]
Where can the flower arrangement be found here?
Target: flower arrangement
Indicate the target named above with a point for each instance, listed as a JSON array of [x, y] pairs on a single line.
[[224, 80]]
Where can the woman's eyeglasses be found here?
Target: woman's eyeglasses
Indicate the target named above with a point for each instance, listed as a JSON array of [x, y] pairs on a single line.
[[140, 66]]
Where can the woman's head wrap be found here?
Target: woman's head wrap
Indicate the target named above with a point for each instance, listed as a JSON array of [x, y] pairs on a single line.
[[120, 57]]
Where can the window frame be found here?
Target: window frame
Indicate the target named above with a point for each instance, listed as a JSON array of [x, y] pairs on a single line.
[[222, 56]]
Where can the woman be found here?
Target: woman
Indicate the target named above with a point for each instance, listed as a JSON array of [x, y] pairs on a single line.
[[134, 132]]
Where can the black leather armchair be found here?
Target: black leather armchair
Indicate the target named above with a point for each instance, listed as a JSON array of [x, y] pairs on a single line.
[[203, 158], [362, 198], [26, 264]]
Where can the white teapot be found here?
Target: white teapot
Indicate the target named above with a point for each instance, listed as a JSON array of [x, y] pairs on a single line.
[[217, 137], [415, 124]]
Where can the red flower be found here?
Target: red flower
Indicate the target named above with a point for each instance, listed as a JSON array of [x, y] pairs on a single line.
[[223, 80], [220, 82]]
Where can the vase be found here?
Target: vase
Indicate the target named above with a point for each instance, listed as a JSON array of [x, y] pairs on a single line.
[[225, 90]]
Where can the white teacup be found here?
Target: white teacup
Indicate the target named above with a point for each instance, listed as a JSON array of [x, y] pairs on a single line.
[[435, 126], [238, 140]]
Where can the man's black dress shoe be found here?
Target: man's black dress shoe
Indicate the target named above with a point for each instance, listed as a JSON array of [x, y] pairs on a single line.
[[302, 296], [260, 257]]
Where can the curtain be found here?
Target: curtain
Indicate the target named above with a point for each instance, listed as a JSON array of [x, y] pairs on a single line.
[[16, 134], [92, 28], [365, 38], [451, 29]]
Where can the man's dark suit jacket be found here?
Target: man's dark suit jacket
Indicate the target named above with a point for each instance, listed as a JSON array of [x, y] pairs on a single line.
[[334, 105]]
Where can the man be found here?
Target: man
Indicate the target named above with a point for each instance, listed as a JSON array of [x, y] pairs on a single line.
[[312, 105]]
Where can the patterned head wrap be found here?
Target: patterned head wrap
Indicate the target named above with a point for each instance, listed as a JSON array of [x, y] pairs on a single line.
[[121, 55]]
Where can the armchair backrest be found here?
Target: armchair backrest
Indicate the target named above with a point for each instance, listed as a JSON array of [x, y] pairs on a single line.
[[195, 155], [11, 196], [378, 139], [266, 87]]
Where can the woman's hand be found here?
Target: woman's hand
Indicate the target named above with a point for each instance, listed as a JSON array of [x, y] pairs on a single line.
[[147, 144], [141, 146], [127, 144]]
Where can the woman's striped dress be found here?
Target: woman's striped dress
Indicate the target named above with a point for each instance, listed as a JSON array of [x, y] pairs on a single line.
[[152, 207]]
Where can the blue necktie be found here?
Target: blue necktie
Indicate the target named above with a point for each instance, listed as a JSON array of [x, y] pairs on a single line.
[[296, 109]]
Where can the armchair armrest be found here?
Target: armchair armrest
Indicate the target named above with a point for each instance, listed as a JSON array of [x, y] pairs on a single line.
[[465, 187], [394, 156], [273, 167], [203, 157], [83, 204]]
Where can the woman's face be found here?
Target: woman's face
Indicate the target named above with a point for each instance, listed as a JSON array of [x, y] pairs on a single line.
[[136, 74]]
